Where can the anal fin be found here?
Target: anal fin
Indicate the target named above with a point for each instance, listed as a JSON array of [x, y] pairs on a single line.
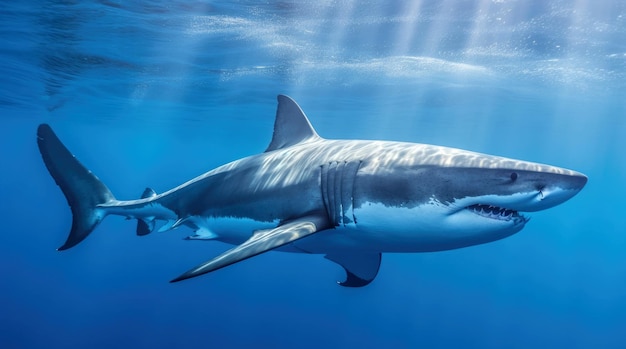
[[261, 241], [361, 268], [146, 226]]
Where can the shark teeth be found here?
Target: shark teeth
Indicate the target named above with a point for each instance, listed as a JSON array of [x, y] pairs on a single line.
[[494, 212]]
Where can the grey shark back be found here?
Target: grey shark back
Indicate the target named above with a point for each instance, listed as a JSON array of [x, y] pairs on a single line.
[[350, 200]]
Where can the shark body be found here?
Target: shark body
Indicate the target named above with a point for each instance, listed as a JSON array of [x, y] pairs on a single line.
[[349, 200]]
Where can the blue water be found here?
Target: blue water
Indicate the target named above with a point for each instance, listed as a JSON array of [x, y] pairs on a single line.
[[153, 93]]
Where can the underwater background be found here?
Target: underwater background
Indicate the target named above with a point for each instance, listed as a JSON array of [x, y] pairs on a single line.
[[153, 93]]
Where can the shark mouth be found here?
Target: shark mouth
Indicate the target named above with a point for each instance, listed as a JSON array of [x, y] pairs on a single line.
[[495, 212]]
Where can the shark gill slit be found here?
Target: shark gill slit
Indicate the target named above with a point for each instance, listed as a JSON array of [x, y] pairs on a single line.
[[337, 184], [356, 170], [323, 186], [339, 167], [347, 193], [330, 191]]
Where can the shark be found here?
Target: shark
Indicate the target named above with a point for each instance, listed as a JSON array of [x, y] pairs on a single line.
[[348, 200]]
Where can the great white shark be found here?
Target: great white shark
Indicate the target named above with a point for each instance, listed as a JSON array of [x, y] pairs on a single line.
[[349, 200]]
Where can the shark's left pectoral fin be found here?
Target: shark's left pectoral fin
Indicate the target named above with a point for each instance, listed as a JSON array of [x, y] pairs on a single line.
[[261, 241], [361, 268]]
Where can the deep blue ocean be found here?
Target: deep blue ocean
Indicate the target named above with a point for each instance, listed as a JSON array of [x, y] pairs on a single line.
[[154, 93]]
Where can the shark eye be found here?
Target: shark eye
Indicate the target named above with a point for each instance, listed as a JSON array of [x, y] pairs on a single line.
[[513, 176]]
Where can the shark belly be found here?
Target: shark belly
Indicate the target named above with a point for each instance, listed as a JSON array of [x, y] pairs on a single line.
[[424, 228], [231, 230]]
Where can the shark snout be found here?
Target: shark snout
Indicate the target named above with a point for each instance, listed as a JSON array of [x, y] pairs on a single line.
[[577, 181], [554, 192]]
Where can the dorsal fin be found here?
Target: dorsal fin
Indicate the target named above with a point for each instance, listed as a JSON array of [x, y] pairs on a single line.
[[291, 125]]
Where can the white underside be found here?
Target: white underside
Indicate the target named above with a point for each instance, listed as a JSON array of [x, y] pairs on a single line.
[[231, 230], [428, 227]]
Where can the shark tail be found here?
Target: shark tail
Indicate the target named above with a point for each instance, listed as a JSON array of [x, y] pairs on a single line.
[[82, 189]]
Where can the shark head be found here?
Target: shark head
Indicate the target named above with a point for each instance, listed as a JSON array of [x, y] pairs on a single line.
[[508, 192], [454, 198], [495, 200]]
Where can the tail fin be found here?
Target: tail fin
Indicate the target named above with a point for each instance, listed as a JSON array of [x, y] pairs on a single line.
[[82, 189]]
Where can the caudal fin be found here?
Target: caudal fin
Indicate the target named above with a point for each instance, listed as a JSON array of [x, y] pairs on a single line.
[[82, 189]]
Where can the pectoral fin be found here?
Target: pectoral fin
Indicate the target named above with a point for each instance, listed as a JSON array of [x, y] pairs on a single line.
[[261, 241], [361, 268]]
